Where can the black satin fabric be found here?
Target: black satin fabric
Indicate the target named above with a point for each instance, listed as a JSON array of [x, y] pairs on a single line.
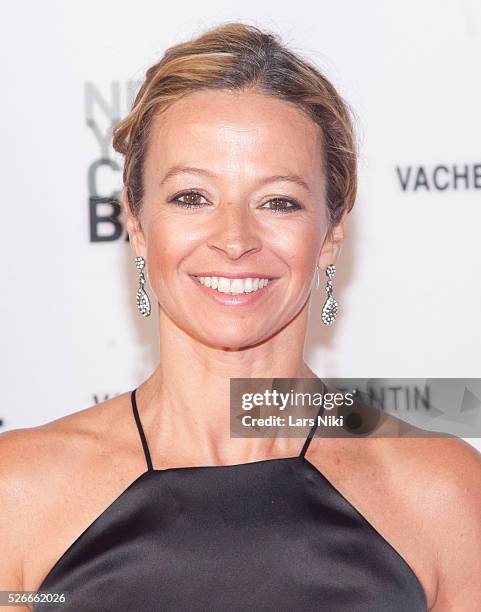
[[272, 535]]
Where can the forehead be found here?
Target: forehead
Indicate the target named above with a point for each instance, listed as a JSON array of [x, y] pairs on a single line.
[[236, 133]]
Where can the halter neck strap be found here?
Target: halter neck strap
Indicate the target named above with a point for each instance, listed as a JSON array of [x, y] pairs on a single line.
[[143, 439], [312, 431]]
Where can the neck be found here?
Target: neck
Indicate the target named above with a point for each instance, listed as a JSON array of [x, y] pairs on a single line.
[[186, 401]]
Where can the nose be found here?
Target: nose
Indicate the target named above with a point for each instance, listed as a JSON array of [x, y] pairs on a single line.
[[234, 233]]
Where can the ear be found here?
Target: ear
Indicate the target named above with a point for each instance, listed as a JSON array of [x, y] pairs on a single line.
[[332, 245], [133, 227]]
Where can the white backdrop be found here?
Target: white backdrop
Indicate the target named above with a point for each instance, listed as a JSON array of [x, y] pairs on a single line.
[[408, 276]]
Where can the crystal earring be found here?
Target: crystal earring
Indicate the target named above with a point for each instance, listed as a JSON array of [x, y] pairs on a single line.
[[331, 307], [143, 302]]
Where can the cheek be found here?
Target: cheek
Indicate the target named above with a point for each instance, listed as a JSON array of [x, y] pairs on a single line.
[[169, 241], [162, 253], [299, 248]]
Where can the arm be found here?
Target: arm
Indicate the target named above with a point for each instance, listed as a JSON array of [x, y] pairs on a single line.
[[457, 524], [11, 552]]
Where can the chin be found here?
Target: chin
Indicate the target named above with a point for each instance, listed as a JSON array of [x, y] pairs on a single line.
[[232, 336]]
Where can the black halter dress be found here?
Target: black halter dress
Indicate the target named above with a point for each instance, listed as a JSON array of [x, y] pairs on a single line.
[[272, 535]]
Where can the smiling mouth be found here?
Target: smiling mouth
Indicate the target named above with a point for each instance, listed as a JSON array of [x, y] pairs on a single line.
[[233, 286]]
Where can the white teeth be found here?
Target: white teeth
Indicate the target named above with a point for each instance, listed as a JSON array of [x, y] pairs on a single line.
[[248, 285], [223, 285], [237, 285], [233, 285]]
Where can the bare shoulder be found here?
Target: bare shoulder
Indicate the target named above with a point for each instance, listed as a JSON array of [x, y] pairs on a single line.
[[455, 513], [53, 446], [446, 468], [423, 494], [33, 457], [442, 478], [45, 467]]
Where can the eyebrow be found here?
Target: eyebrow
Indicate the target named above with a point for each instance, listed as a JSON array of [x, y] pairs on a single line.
[[291, 178]]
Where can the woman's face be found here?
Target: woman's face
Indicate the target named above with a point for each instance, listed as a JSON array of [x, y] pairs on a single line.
[[234, 193]]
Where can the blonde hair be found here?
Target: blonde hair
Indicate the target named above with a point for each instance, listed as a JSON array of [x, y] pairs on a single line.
[[236, 56]]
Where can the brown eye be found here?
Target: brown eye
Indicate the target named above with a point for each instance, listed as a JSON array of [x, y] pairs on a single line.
[[190, 199], [282, 205]]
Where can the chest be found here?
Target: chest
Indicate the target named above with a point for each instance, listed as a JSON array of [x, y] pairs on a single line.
[[275, 535]]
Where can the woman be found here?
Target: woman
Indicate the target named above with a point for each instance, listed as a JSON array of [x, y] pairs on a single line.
[[240, 168]]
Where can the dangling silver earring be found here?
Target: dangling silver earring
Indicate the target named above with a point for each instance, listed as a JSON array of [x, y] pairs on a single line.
[[143, 302], [330, 308]]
